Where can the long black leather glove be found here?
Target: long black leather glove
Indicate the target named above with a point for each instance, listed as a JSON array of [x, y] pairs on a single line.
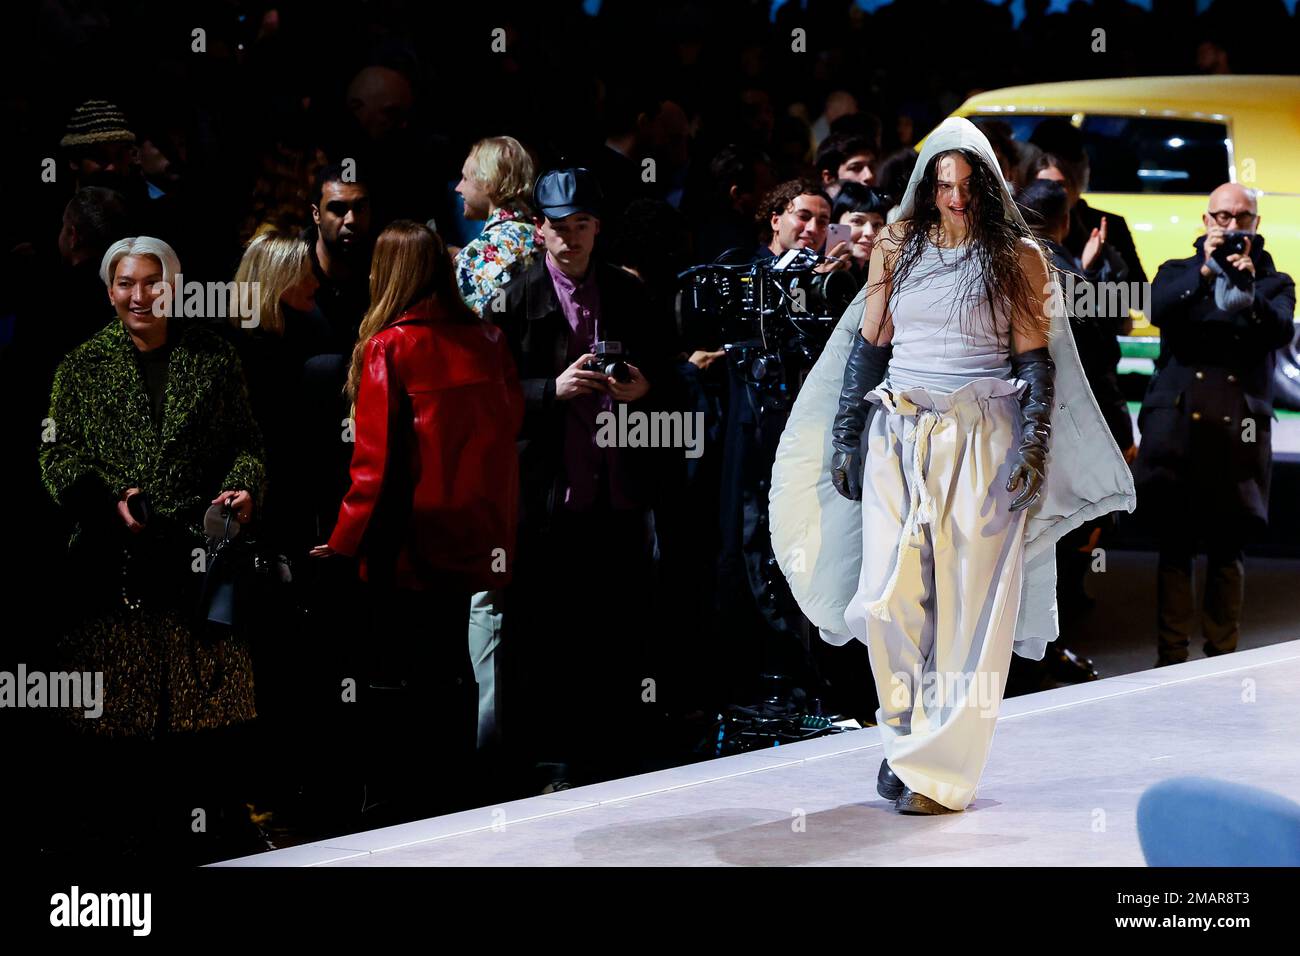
[[864, 371], [1037, 370]]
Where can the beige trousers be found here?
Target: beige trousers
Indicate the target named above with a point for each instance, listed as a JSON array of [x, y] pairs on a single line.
[[940, 587]]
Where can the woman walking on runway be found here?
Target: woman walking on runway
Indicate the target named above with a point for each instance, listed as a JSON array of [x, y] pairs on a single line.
[[943, 433]]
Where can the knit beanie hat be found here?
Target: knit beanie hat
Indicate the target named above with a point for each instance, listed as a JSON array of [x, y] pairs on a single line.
[[96, 121]]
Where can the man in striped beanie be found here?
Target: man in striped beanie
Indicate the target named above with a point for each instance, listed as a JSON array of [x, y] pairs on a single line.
[[100, 148]]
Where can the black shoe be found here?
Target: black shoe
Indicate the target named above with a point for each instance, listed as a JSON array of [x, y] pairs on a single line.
[[918, 803], [553, 777], [887, 784], [1070, 668]]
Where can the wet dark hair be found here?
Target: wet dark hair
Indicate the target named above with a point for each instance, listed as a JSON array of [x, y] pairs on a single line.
[[855, 197], [995, 239]]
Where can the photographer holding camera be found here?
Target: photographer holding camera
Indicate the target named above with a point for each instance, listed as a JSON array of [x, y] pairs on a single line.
[[1205, 457], [584, 343]]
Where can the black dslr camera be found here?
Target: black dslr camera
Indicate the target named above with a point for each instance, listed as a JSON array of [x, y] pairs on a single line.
[[609, 360]]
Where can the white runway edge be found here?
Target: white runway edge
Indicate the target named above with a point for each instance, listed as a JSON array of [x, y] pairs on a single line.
[[1061, 788]]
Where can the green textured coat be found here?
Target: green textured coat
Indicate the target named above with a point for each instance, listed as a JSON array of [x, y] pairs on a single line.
[[140, 589]]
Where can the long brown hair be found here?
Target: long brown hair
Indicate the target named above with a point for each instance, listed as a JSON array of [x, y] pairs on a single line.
[[410, 265], [994, 239]]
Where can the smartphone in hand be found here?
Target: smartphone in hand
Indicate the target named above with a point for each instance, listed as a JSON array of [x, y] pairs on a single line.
[[835, 234]]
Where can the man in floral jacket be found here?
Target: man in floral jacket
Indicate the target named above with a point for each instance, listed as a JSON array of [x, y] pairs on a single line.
[[495, 182]]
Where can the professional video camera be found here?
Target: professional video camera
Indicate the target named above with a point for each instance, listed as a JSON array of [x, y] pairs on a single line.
[[785, 716], [773, 316]]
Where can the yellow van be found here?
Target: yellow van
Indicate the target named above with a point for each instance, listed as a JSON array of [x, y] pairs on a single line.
[[1157, 146]]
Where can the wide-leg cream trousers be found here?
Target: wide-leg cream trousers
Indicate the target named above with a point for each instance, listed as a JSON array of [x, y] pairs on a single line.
[[940, 587]]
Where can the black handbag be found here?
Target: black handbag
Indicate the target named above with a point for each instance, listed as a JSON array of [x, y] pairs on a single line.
[[228, 595]]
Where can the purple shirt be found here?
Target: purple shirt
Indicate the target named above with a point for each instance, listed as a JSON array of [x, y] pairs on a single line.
[[590, 472]]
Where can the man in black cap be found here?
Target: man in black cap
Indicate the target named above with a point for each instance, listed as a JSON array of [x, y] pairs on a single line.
[[575, 616]]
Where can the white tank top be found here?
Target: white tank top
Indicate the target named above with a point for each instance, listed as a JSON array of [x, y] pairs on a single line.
[[930, 348]]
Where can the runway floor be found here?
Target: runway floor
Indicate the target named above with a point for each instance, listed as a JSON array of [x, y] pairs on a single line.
[[1061, 788]]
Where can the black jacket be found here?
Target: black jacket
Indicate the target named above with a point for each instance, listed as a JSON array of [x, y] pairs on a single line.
[[340, 306], [1095, 338], [1214, 372], [1084, 219], [538, 334]]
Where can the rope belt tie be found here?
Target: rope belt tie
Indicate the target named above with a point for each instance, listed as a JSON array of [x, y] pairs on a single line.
[[920, 505]]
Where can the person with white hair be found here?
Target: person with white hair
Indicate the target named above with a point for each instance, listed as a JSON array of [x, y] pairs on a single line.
[[937, 428], [149, 426]]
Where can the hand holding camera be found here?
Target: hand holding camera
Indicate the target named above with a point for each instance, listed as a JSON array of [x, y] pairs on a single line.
[[631, 390], [1236, 249], [578, 379], [1227, 252]]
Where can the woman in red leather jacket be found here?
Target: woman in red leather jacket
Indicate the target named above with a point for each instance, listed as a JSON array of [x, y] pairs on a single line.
[[431, 511]]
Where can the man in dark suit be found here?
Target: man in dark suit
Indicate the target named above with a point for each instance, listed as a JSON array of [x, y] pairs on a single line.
[[576, 613], [1205, 458]]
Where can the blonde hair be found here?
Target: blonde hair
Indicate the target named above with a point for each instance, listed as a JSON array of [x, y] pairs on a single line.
[[276, 262], [410, 265], [140, 246], [504, 169]]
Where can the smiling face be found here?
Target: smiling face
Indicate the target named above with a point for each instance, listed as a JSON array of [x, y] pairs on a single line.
[[802, 225], [866, 226], [952, 193], [137, 283]]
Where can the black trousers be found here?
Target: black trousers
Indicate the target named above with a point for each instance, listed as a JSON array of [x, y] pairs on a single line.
[[1225, 587], [177, 800], [575, 639], [419, 701]]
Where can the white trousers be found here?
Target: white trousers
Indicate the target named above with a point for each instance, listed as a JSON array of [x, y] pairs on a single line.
[[484, 641], [940, 587]]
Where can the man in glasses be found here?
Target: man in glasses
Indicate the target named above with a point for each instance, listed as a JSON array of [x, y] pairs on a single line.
[[1205, 457]]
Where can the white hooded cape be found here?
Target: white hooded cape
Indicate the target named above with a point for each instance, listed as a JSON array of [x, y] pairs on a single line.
[[817, 534]]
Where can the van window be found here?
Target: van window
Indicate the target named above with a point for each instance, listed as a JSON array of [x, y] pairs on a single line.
[[1143, 154]]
